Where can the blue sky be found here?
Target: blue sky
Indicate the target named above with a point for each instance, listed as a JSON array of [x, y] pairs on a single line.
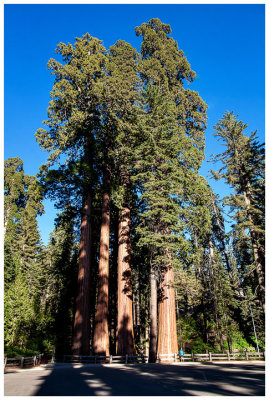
[[225, 45]]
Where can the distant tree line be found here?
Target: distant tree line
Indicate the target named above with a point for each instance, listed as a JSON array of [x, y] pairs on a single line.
[[139, 260]]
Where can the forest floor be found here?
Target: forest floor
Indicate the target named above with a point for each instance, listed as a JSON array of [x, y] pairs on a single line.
[[185, 379]]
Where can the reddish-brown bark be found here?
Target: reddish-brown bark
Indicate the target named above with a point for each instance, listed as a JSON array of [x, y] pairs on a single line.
[[101, 337], [167, 330], [82, 320], [125, 336]]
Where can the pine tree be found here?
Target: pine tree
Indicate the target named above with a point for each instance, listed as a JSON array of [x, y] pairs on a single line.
[[243, 169], [23, 258], [14, 202], [57, 301]]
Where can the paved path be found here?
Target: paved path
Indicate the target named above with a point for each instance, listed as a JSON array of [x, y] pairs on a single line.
[[186, 379]]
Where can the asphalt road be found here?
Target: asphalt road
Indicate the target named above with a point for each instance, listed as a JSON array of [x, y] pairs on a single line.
[[186, 379]]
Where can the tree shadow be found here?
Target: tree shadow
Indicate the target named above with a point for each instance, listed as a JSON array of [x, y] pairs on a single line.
[[66, 381], [125, 337], [152, 380]]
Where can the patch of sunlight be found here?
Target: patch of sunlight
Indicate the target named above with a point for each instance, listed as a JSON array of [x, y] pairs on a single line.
[[87, 373], [102, 388], [199, 393], [249, 371], [102, 393], [229, 387]]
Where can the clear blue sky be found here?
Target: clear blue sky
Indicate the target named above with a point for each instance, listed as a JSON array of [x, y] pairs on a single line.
[[225, 45]]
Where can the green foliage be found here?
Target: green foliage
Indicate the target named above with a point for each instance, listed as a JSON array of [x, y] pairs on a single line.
[[239, 342], [130, 113]]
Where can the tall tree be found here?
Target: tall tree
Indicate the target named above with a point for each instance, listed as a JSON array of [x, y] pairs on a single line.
[[14, 202], [23, 258], [121, 93], [73, 120], [243, 169], [177, 118]]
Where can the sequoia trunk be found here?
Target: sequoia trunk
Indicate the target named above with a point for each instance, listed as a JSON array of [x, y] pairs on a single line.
[[101, 337], [167, 332], [125, 336], [81, 334]]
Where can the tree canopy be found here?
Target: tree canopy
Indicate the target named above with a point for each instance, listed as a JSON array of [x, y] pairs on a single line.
[[140, 260]]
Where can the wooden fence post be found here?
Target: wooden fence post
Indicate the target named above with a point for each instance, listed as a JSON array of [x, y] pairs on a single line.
[[22, 360], [210, 356], [228, 355], [159, 358], [175, 357], [192, 356], [34, 361], [246, 355], [5, 362], [126, 359]]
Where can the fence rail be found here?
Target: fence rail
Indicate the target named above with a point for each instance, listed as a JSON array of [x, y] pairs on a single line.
[[127, 359], [211, 356], [23, 362]]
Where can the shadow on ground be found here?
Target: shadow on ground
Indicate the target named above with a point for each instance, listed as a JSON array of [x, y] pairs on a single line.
[[153, 380]]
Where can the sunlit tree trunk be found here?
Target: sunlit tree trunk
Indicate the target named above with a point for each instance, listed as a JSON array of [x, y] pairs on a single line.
[[101, 337], [137, 316], [113, 281], [167, 330]]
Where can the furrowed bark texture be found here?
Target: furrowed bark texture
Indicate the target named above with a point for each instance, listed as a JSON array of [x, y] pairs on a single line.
[[113, 283], [82, 319], [137, 316], [125, 335], [101, 337], [167, 332]]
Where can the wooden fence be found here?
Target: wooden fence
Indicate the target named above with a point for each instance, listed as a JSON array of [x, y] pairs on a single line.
[[211, 357], [22, 362], [25, 362], [138, 359]]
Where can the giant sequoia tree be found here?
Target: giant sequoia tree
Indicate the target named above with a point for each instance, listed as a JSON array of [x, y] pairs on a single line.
[[123, 84], [139, 259], [170, 155], [73, 121]]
